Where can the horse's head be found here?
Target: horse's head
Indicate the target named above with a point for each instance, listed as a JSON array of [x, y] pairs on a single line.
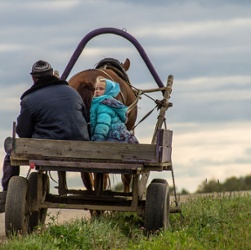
[[126, 64]]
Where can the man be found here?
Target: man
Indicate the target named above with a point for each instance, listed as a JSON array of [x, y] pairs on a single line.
[[50, 109]]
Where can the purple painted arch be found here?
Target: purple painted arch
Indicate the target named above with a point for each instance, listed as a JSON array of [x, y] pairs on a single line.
[[114, 31]]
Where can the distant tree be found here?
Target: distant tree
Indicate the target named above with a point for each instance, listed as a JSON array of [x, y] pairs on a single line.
[[235, 184], [231, 184], [247, 182], [209, 186], [184, 191]]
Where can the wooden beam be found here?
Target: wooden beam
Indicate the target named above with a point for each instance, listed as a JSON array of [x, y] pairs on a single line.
[[56, 149]]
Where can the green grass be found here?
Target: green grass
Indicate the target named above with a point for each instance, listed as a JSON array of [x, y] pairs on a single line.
[[211, 222]]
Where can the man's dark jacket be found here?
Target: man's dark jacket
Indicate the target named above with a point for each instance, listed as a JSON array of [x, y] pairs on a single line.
[[51, 109]]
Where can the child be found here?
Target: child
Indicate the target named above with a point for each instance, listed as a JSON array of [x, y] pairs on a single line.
[[108, 115]]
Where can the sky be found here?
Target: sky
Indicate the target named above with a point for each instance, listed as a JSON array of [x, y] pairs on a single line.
[[205, 45]]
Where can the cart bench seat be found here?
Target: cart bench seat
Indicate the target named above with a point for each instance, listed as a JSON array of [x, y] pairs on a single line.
[[89, 156]]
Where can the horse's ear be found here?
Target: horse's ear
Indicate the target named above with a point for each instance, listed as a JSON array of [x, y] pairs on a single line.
[[126, 64]]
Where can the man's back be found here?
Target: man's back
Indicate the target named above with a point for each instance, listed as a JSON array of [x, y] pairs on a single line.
[[52, 111]]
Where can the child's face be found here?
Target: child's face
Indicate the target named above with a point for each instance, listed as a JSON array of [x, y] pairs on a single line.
[[99, 88]]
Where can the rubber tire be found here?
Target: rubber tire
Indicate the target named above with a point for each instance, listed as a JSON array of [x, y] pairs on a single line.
[[159, 181], [37, 217], [157, 207], [17, 206]]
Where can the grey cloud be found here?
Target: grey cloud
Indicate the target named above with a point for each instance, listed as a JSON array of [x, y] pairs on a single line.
[[196, 41], [212, 3]]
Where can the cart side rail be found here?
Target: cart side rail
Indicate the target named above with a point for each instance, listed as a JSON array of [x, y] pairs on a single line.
[[26, 149]]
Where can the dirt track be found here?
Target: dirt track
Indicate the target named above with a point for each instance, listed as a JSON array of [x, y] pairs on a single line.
[[54, 215]]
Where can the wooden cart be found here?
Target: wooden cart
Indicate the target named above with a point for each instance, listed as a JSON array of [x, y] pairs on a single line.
[[29, 198]]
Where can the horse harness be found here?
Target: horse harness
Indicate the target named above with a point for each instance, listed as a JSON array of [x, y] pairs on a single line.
[[115, 65]]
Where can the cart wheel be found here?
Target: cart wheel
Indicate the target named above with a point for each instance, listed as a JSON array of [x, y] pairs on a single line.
[[159, 181], [157, 207], [38, 217], [17, 207]]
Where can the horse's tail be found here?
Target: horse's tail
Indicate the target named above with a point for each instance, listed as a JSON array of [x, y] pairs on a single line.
[[86, 90]]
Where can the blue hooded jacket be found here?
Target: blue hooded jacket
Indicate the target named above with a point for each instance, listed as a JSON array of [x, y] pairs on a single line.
[[108, 117]]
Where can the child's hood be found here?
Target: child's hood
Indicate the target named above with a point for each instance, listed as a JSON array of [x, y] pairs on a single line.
[[112, 88]]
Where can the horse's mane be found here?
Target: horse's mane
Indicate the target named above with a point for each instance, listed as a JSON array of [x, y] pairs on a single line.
[[115, 65]]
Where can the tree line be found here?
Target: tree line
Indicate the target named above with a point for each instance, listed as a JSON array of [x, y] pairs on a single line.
[[210, 186], [229, 185]]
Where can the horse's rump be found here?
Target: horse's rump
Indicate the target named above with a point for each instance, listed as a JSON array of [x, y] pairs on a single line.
[[84, 82]]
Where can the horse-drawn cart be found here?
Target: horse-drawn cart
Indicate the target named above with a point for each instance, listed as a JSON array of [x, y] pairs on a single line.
[[29, 198]]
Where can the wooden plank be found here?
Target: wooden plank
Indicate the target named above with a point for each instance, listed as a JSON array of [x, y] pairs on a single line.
[[158, 166], [164, 145], [102, 207], [79, 166], [164, 137], [165, 154], [88, 165], [54, 149]]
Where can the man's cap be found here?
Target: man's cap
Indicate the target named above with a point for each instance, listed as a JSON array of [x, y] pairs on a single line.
[[41, 68]]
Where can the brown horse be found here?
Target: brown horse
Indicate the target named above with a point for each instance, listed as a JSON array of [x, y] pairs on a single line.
[[83, 82]]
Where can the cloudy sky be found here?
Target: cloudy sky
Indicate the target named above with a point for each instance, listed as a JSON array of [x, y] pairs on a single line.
[[205, 45]]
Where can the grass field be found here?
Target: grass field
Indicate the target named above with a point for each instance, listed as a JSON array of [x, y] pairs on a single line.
[[218, 221]]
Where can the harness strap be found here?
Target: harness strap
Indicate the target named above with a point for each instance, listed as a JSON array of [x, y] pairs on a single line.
[[144, 117], [105, 73], [133, 105]]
